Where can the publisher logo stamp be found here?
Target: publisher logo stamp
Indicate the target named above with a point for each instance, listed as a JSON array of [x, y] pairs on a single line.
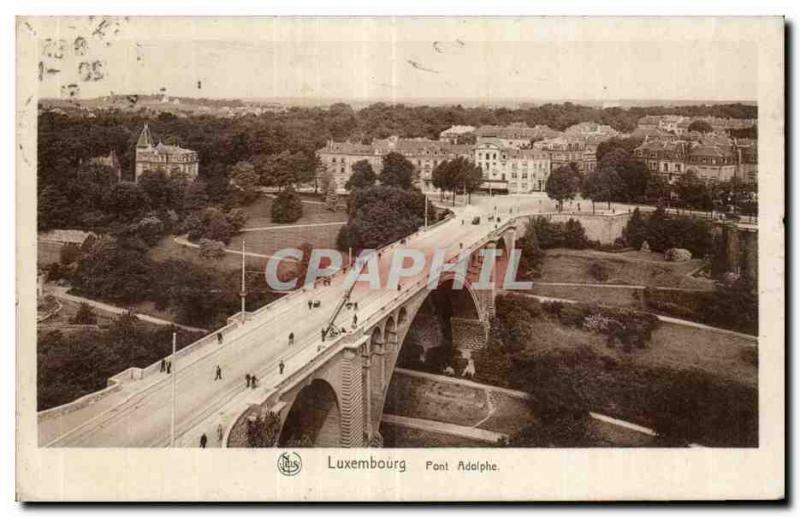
[[289, 464]]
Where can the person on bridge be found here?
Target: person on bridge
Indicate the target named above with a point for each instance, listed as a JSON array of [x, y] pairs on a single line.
[[169, 367], [322, 332], [163, 365], [253, 381], [247, 379], [219, 338], [219, 374], [291, 338], [281, 366], [355, 306], [203, 440], [220, 433], [355, 320], [310, 304]]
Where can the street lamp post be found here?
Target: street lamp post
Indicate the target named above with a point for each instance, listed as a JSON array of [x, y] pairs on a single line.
[[243, 293], [174, 375]]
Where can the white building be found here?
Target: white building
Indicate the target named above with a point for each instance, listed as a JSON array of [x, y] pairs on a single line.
[[518, 171]]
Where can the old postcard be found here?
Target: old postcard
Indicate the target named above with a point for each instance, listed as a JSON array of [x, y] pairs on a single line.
[[400, 259]]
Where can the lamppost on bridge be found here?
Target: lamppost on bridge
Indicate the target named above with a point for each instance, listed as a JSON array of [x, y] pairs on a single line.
[[174, 376], [243, 293]]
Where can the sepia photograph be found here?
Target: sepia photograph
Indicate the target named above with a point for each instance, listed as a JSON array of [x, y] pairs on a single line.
[[399, 236]]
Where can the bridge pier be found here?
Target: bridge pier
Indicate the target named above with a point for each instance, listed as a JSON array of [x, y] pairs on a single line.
[[351, 399]]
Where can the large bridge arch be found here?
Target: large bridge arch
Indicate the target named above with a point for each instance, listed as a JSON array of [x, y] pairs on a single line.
[[314, 418]]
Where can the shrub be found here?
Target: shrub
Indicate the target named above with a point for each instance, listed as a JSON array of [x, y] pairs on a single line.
[[84, 316], [263, 431], [69, 254], [212, 250], [287, 207], [598, 271], [559, 235]]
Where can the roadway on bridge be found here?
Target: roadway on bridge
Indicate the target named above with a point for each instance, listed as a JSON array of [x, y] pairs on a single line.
[[144, 419]]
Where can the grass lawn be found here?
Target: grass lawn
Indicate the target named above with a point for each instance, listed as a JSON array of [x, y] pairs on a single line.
[[615, 296], [630, 268], [672, 346], [269, 241], [259, 213], [68, 310], [445, 402], [167, 248]]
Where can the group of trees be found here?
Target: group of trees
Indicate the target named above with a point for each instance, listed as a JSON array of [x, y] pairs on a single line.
[[70, 365], [457, 175], [663, 231], [383, 213], [120, 271], [621, 177]]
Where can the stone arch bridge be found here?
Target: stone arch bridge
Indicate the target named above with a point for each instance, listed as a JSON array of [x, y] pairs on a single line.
[[338, 400]]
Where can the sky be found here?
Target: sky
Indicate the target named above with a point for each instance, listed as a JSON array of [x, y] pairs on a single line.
[[396, 59]]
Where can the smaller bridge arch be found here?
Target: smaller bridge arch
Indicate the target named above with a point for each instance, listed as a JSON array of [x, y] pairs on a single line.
[[314, 419]]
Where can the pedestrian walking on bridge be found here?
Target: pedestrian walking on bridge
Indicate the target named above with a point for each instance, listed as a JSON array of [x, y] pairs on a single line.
[[220, 433], [310, 304], [219, 374], [253, 381], [203, 440], [322, 333], [291, 338], [163, 365], [281, 366], [219, 338], [247, 379], [169, 367]]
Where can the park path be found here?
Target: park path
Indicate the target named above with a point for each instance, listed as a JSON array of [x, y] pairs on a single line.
[[434, 426], [291, 227], [61, 292]]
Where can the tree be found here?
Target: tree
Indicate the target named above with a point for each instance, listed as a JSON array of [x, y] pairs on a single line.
[[245, 178], [150, 229], [602, 185], [126, 202], [54, 208], [700, 126], [117, 271], [397, 171], [263, 431], [532, 254], [69, 254], [380, 215], [324, 180], [658, 190], [363, 176], [693, 192], [218, 228], [287, 206], [562, 184], [212, 250], [457, 174], [628, 144], [331, 197], [158, 188], [636, 230], [84, 316]]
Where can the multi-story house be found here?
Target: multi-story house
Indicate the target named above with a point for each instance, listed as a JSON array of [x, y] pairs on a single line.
[[424, 155], [171, 159], [710, 159], [564, 150], [518, 136], [453, 133], [516, 171]]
